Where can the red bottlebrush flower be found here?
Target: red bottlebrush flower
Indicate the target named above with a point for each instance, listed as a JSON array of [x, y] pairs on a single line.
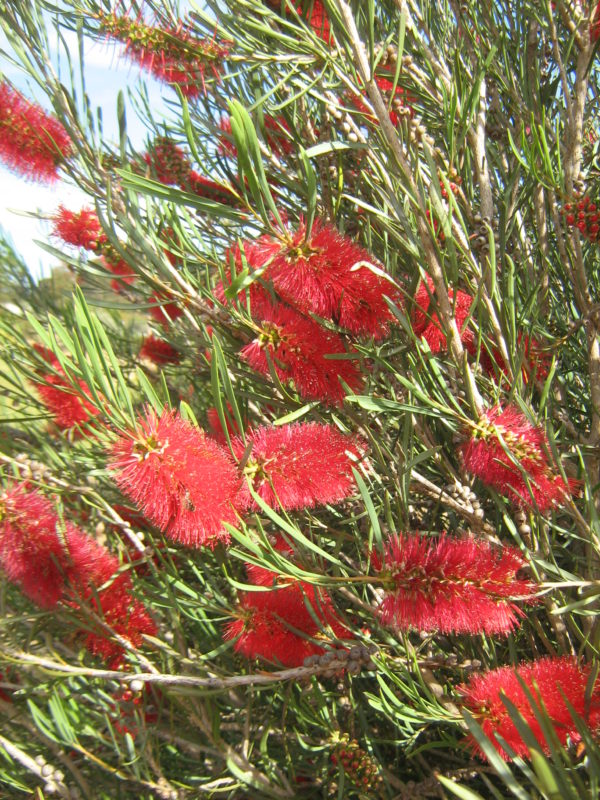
[[554, 679], [401, 101], [536, 361], [300, 465], [277, 133], [261, 576], [427, 324], [79, 228], [42, 555], [32, 143], [172, 55], [595, 24], [451, 585], [297, 347], [504, 448], [126, 616], [67, 407], [167, 161], [211, 190], [119, 267], [269, 624], [323, 273], [165, 311], [159, 351], [182, 480]]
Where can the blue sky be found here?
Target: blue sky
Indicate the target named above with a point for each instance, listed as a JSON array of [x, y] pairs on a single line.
[[106, 72]]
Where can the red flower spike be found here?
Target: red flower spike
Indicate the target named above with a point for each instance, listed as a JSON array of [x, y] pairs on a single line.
[[326, 274], [426, 323], [269, 624], [172, 55], [215, 427], [451, 585], [549, 680], [167, 161], [67, 407], [182, 480], [486, 457], [32, 143], [297, 347], [261, 576], [120, 268], [126, 616], [79, 228], [159, 351], [45, 557], [300, 465]]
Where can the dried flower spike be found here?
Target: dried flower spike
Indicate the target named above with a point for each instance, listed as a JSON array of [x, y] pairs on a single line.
[[32, 143], [549, 680], [507, 452], [172, 55], [451, 585], [298, 348], [182, 480], [298, 466]]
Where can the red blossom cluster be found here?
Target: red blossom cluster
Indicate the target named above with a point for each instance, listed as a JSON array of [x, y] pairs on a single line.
[[302, 351], [584, 215], [552, 682], [357, 764], [507, 452], [451, 585], [51, 561], [298, 466], [281, 625], [69, 404], [32, 142], [324, 273], [159, 351], [172, 55], [188, 485]]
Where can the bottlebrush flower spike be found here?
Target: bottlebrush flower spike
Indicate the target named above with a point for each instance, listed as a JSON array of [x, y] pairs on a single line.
[[67, 407], [426, 324], [43, 555], [32, 143], [297, 347], [300, 465], [215, 427], [274, 625], [79, 228], [182, 480], [126, 617], [172, 55], [549, 680], [168, 162], [323, 273], [211, 190], [119, 267], [451, 585], [504, 448], [159, 351]]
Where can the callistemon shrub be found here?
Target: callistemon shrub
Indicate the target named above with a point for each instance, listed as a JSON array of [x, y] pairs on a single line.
[[300, 429]]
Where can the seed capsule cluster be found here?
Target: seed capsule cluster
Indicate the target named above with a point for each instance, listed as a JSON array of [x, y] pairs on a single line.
[[352, 660], [357, 764]]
